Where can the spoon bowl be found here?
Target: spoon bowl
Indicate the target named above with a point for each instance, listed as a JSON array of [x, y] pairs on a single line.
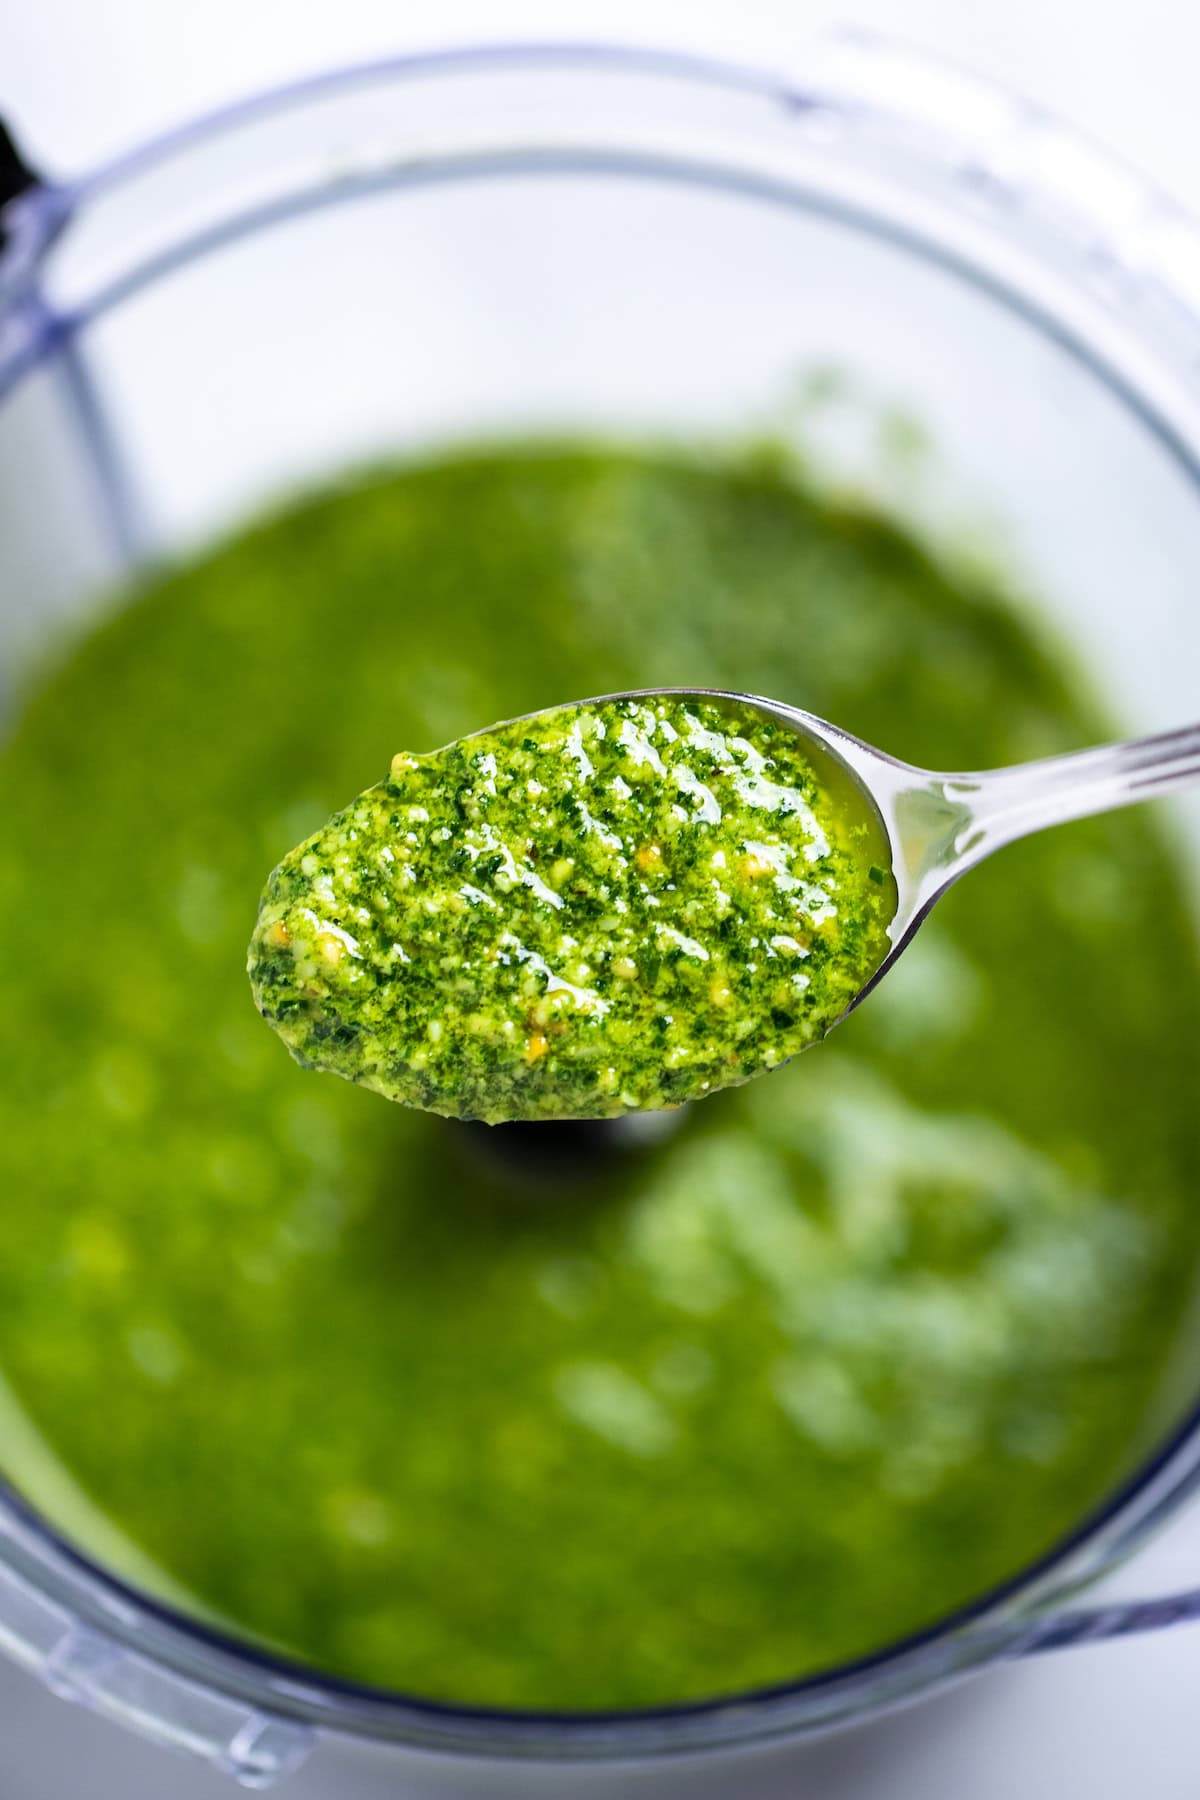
[[939, 825]]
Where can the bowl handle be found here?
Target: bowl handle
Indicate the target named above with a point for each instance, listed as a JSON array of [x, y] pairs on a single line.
[[1094, 1624]]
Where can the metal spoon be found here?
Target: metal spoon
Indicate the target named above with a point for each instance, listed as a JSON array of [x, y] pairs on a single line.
[[940, 825]]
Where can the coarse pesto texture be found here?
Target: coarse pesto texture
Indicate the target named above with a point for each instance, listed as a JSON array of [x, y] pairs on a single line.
[[611, 906], [847, 1346]]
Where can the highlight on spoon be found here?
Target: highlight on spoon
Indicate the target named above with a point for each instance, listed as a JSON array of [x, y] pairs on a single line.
[[617, 905]]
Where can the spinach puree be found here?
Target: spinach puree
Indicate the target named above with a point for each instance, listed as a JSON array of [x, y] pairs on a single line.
[[669, 1420], [608, 907]]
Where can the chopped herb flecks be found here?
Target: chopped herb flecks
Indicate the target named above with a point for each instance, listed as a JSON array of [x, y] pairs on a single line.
[[615, 906]]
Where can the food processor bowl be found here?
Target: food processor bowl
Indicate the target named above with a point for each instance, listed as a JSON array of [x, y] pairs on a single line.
[[941, 297]]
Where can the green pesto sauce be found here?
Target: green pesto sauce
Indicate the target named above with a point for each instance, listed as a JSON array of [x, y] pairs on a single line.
[[610, 907], [841, 1349]]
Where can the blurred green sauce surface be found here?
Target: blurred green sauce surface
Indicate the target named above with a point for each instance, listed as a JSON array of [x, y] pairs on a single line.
[[850, 1345]]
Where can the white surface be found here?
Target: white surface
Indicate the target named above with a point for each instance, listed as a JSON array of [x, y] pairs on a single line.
[[81, 78]]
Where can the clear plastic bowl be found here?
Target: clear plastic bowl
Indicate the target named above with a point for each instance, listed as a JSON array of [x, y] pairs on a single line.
[[641, 244]]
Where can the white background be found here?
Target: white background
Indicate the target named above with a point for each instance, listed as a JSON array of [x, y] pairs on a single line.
[[82, 78]]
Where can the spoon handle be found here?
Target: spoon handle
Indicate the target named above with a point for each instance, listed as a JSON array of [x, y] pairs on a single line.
[[1006, 804]]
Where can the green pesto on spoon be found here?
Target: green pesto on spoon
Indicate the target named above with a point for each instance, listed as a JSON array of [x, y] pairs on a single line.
[[628, 903]]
